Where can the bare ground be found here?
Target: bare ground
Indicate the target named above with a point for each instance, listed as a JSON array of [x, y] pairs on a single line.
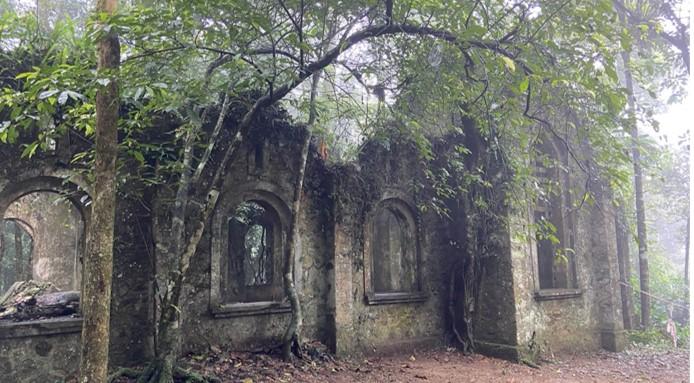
[[448, 365]]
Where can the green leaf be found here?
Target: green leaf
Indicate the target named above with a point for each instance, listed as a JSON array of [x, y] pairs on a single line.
[[30, 149], [75, 96], [510, 65], [139, 157], [62, 98], [26, 75], [523, 86], [47, 93]]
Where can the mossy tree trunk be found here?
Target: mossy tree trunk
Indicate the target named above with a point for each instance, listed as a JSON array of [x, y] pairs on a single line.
[[292, 337], [624, 263], [638, 195], [98, 262]]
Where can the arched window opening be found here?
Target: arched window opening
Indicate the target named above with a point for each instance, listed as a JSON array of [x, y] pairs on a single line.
[[42, 239], [255, 253], [393, 252], [555, 258]]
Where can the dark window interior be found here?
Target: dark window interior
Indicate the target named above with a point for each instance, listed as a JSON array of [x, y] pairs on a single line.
[[394, 261], [555, 264], [259, 156]]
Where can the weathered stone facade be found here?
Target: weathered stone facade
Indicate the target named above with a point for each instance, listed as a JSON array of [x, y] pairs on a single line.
[[51, 347], [337, 263]]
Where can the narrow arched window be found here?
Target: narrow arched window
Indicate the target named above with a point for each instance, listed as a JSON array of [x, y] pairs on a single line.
[[555, 259], [255, 243], [392, 255], [393, 252]]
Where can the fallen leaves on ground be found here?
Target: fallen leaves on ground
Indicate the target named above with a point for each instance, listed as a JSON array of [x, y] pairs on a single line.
[[443, 366]]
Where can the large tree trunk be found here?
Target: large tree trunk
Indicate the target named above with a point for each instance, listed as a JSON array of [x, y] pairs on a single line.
[[293, 333], [638, 194], [292, 337], [98, 261], [624, 263]]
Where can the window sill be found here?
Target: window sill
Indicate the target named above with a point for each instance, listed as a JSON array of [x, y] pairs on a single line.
[[557, 294], [40, 327], [230, 310], [392, 298]]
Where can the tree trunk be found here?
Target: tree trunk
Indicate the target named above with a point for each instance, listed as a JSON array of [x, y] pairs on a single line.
[[292, 336], [19, 269], [293, 333], [98, 261], [624, 263], [638, 194]]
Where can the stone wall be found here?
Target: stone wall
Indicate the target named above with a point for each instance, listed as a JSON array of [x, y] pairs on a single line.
[[264, 170], [587, 317], [335, 264], [386, 170], [51, 347], [40, 351]]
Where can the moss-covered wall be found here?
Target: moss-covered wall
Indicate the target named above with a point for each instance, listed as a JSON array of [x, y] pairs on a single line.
[[334, 260], [52, 346], [204, 323], [386, 169], [585, 318]]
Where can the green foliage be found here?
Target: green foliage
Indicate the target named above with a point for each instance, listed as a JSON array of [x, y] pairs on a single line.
[[51, 83], [666, 285], [521, 71], [656, 337]]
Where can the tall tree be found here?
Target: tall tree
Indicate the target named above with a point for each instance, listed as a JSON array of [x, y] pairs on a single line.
[[624, 264], [98, 260], [645, 19], [638, 194]]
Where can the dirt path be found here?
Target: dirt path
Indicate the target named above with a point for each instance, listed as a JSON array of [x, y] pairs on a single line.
[[443, 366]]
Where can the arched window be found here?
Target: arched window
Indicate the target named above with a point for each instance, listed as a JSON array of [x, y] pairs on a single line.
[[392, 253], [555, 259], [42, 239], [255, 253]]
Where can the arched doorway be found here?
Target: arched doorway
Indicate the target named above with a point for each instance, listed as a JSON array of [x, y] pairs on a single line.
[[42, 234]]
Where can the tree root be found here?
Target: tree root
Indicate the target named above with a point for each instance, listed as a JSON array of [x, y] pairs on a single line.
[[292, 349], [162, 372], [124, 372], [193, 377], [529, 363]]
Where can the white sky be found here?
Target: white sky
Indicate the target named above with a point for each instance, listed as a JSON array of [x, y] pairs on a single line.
[[675, 121]]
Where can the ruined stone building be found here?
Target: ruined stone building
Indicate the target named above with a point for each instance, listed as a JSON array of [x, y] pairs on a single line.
[[373, 268]]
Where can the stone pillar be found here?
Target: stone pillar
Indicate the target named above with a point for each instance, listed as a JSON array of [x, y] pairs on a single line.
[[606, 269], [342, 291]]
